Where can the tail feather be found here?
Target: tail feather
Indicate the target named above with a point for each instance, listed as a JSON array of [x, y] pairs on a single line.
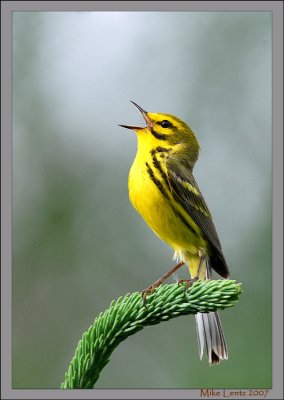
[[211, 337], [210, 333]]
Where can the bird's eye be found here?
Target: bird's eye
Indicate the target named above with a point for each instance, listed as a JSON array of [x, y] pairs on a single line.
[[165, 123]]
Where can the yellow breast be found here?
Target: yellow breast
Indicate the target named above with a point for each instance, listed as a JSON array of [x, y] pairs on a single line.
[[152, 198], [145, 196]]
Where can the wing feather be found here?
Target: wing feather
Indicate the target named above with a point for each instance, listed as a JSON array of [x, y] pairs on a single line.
[[186, 191]]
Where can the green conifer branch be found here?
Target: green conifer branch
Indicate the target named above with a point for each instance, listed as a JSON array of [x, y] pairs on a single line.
[[128, 315]]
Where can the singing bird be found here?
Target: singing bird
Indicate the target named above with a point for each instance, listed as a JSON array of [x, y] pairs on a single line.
[[163, 190]]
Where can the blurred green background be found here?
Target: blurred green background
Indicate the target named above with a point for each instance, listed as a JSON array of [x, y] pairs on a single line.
[[78, 243]]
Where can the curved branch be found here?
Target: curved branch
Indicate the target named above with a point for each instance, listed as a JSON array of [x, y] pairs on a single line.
[[128, 315]]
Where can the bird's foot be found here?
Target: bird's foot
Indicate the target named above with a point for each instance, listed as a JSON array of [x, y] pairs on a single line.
[[150, 289]]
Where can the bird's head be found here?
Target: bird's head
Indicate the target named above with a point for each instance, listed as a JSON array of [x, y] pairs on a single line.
[[166, 130]]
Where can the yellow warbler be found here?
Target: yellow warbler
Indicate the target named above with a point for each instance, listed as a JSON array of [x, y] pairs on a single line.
[[163, 190]]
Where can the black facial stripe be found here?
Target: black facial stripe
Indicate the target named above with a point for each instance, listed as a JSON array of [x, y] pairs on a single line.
[[157, 135]]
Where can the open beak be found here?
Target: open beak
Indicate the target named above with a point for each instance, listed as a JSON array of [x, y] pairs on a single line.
[[145, 116]]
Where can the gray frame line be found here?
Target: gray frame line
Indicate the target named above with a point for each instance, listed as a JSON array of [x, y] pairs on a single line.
[[7, 7]]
